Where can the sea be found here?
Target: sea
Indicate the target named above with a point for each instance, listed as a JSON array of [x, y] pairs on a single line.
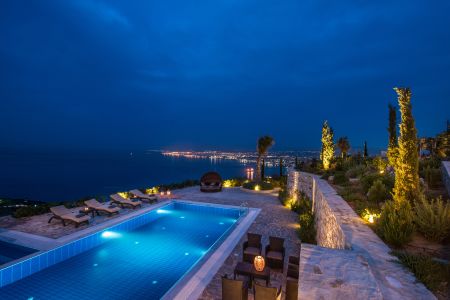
[[69, 176]]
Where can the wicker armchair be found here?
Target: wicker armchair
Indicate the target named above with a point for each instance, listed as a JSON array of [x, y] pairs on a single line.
[[291, 290], [275, 252], [261, 292], [252, 247], [233, 289]]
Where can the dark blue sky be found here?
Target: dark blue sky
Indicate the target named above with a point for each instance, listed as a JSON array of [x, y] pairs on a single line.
[[217, 74]]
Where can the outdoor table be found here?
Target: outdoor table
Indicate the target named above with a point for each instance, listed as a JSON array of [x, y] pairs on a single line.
[[247, 269]]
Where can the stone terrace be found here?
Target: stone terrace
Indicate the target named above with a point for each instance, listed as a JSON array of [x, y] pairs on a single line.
[[274, 219]]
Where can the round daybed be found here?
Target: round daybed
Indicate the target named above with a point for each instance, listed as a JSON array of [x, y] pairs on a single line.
[[211, 182]]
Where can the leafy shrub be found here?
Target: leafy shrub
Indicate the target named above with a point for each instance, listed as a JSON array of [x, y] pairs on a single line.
[[302, 205], [368, 180], [29, 211], [179, 185], [432, 274], [380, 164], [433, 177], [377, 192], [234, 182], [395, 225], [432, 162], [307, 230], [263, 186], [283, 196], [356, 171], [340, 179], [433, 218]]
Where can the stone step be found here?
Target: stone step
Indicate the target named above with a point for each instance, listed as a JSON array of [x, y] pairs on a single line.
[[335, 274]]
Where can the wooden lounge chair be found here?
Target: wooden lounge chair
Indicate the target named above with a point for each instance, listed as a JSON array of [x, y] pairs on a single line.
[[291, 290], [116, 198], [275, 252], [144, 197], [252, 247], [261, 292], [64, 214], [233, 289], [101, 207]]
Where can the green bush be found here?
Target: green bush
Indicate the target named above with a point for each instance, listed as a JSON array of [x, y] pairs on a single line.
[[396, 225], [356, 171], [433, 275], [283, 196], [233, 182], [433, 177], [433, 218], [377, 192], [340, 178], [29, 211], [307, 230], [302, 205], [263, 186], [368, 180]]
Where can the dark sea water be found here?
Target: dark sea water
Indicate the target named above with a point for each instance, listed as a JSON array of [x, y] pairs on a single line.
[[72, 176]]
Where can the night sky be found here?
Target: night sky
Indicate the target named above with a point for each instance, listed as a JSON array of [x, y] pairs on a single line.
[[204, 74]]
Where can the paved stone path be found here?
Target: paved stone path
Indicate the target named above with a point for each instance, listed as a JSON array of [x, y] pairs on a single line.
[[274, 219]]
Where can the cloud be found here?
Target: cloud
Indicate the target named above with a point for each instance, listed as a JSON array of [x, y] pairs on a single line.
[[101, 11]]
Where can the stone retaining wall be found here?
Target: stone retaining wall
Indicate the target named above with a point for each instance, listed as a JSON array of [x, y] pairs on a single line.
[[329, 229], [356, 251], [445, 168]]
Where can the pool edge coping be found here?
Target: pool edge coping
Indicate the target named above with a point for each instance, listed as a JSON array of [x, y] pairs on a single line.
[[193, 288]]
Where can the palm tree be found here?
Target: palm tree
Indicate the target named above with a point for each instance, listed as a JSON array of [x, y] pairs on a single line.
[[264, 143], [344, 145]]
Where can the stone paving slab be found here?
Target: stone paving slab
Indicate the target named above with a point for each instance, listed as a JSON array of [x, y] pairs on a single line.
[[335, 274]]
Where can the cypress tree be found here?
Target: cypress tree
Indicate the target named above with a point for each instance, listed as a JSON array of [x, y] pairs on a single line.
[[392, 151], [281, 167], [406, 186], [263, 166], [366, 152], [327, 145]]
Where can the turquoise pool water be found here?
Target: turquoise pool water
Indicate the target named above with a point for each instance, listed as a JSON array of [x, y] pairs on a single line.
[[141, 264]]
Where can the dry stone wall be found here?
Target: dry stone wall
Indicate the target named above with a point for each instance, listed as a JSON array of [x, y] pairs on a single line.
[[347, 249]]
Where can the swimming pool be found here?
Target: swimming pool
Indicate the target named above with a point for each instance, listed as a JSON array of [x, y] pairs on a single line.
[[10, 252], [143, 262]]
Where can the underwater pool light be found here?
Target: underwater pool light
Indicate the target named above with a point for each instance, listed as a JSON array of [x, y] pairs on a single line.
[[110, 235]]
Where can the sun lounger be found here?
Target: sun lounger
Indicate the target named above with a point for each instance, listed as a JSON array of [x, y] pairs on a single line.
[[144, 197], [64, 214], [116, 198], [102, 207]]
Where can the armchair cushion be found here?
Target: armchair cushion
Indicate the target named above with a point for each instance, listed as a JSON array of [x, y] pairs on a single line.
[[254, 240], [252, 251], [274, 255], [276, 243]]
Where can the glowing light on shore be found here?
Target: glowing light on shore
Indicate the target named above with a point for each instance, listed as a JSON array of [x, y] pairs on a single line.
[[257, 187]]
